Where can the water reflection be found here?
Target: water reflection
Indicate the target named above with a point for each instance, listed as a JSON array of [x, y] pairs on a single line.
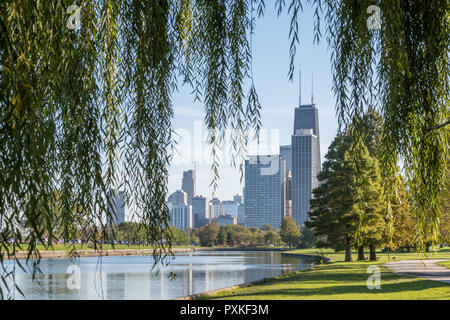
[[131, 277]]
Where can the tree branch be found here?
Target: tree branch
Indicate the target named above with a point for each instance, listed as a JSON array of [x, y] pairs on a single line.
[[439, 126]]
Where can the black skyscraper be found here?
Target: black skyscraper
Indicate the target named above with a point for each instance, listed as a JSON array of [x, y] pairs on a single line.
[[307, 117]]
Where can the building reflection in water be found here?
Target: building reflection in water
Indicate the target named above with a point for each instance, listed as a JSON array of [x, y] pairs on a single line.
[[130, 277]]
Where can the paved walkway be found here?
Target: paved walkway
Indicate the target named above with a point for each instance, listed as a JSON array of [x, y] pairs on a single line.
[[427, 269]]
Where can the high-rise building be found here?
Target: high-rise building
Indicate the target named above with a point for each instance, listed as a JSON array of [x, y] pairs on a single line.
[[229, 207], [181, 216], [225, 220], [116, 208], [179, 197], [215, 211], [189, 184], [288, 193], [286, 154], [305, 167], [307, 117], [200, 211], [264, 191], [237, 198]]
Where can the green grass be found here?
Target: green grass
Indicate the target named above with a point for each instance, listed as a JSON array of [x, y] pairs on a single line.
[[444, 264], [440, 253], [343, 280]]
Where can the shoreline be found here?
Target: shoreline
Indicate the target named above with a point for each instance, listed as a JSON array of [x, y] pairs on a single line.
[[61, 254], [92, 253], [318, 260]]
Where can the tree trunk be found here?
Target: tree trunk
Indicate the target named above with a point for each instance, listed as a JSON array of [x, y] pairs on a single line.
[[348, 252], [427, 247], [361, 253], [373, 254], [408, 249]]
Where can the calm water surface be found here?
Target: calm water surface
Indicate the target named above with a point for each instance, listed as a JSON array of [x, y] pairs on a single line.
[[131, 277]]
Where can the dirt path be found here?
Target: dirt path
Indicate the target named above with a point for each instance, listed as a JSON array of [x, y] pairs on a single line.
[[427, 269]]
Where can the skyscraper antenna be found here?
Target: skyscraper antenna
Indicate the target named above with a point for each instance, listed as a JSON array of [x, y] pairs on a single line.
[[300, 87], [312, 88]]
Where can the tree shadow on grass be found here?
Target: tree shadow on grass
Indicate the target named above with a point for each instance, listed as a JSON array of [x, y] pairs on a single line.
[[414, 285], [327, 277]]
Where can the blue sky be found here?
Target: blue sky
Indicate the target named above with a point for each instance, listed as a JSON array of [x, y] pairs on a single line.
[[278, 97]]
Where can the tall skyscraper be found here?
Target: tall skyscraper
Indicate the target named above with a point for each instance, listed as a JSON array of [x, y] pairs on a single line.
[[264, 191], [116, 207], [200, 211], [189, 184], [307, 117], [305, 160], [286, 154]]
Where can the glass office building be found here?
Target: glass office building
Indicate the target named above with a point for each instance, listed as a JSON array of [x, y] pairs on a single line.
[[264, 191]]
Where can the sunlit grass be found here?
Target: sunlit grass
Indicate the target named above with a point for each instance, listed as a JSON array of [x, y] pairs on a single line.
[[346, 281]]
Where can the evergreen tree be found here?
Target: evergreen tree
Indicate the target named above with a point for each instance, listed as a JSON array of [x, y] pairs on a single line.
[[346, 207], [307, 237], [368, 197]]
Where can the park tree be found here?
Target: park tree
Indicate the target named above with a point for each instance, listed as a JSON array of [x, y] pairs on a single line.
[[222, 236], [83, 96], [346, 209], [289, 231], [208, 234], [307, 237], [445, 221], [267, 227], [272, 237], [368, 202], [403, 235], [179, 236]]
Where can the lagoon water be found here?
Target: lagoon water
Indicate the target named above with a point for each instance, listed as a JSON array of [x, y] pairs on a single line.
[[131, 277]]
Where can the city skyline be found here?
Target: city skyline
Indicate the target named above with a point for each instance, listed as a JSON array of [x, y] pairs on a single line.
[[278, 97]]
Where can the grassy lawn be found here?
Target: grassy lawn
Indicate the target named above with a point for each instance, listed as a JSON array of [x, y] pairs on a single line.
[[441, 253], [444, 264], [346, 281]]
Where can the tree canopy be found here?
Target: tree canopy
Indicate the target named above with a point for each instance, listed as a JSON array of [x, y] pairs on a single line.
[[347, 207]]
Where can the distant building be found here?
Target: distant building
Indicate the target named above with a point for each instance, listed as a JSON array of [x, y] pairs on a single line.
[[264, 191], [286, 154], [225, 220], [188, 184], [179, 197], [288, 193], [238, 199], [200, 210], [230, 207], [241, 215], [181, 216], [116, 208], [215, 209]]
